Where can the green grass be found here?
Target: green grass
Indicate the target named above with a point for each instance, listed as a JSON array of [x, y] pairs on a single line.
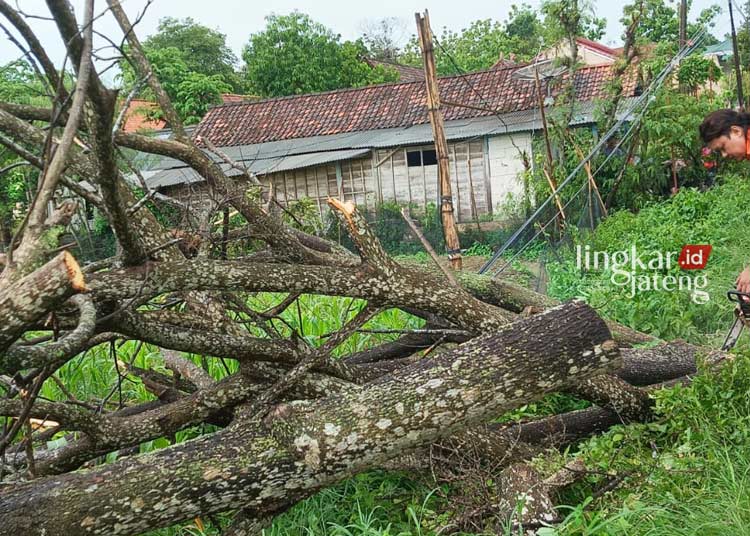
[[688, 472], [717, 217]]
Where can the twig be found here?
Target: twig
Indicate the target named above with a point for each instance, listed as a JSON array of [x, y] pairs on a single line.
[[428, 247], [125, 105]]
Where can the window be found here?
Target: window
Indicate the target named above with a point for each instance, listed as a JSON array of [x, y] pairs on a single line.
[[429, 157], [422, 157]]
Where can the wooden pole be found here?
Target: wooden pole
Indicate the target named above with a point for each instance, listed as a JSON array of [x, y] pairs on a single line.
[[683, 23], [450, 231], [737, 72], [549, 168]]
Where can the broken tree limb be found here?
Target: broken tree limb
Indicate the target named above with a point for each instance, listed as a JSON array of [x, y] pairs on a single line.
[[305, 445], [54, 354], [610, 392], [27, 300], [427, 246]]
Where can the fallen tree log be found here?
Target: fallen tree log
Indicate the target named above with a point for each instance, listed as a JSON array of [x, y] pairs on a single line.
[[302, 446]]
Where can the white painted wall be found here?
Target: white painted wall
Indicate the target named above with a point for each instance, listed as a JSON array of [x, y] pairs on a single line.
[[506, 165]]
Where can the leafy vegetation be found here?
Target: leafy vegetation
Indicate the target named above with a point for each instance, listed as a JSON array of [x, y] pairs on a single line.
[[294, 55], [691, 217]]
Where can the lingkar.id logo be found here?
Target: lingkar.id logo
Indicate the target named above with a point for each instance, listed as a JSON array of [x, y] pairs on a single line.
[[650, 272]]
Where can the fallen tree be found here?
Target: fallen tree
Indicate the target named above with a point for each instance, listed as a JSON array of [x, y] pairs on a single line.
[[293, 419]]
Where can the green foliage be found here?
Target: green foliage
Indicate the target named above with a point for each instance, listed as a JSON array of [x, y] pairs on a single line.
[[686, 473], [193, 64], [691, 217], [472, 49], [480, 45], [695, 70], [566, 18], [660, 22], [18, 84], [196, 92], [295, 54], [191, 92], [202, 49]]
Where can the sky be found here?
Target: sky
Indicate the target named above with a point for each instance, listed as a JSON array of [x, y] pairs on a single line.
[[239, 18]]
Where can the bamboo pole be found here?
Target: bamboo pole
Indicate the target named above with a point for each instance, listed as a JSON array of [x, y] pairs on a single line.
[[441, 144], [737, 71]]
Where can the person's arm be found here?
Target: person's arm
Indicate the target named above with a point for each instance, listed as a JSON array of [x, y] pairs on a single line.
[[742, 282]]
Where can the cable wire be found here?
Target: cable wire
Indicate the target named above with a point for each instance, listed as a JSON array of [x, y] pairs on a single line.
[[643, 101]]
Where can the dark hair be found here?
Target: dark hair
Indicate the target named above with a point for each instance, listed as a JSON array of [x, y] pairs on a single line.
[[718, 123]]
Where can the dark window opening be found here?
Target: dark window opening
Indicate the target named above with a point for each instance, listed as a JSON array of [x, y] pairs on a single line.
[[429, 157], [413, 158]]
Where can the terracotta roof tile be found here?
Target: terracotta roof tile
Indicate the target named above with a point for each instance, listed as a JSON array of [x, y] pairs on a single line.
[[382, 106], [136, 119]]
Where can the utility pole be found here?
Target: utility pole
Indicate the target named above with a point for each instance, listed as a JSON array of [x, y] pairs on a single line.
[[450, 231], [548, 168], [737, 72], [683, 22]]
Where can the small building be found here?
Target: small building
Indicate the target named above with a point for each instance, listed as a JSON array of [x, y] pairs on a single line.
[[590, 52], [374, 144]]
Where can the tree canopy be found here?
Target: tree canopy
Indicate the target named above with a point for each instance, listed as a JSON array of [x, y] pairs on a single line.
[[295, 54], [204, 50], [194, 64]]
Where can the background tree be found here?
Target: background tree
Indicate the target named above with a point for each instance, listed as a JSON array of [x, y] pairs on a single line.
[[294, 54], [660, 21], [525, 31], [193, 62], [473, 48], [202, 49], [384, 37]]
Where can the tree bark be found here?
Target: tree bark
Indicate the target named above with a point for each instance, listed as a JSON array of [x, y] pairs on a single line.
[[30, 298], [303, 446]]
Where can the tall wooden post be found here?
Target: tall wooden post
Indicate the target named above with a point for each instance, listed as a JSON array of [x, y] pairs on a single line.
[[683, 23], [450, 231], [549, 169]]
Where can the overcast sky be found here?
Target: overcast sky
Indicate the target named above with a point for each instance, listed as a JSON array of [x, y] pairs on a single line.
[[239, 18]]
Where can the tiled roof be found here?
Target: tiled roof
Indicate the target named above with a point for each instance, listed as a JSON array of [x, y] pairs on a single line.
[[603, 49], [136, 117], [383, 106]]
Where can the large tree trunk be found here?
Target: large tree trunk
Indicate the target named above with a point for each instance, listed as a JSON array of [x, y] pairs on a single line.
[[298, 448]]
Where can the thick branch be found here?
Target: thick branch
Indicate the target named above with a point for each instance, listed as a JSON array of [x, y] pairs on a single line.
[[30, 298], [19, 357], [304, 446]]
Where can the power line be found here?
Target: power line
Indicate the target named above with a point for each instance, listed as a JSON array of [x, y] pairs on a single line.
[[462, 76], [644, 99]]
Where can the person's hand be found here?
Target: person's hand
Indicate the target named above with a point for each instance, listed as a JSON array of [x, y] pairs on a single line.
[[743, 281]]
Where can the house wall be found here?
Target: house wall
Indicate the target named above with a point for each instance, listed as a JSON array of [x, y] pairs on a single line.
[[483, 172], [418, 185], [505, 165]]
